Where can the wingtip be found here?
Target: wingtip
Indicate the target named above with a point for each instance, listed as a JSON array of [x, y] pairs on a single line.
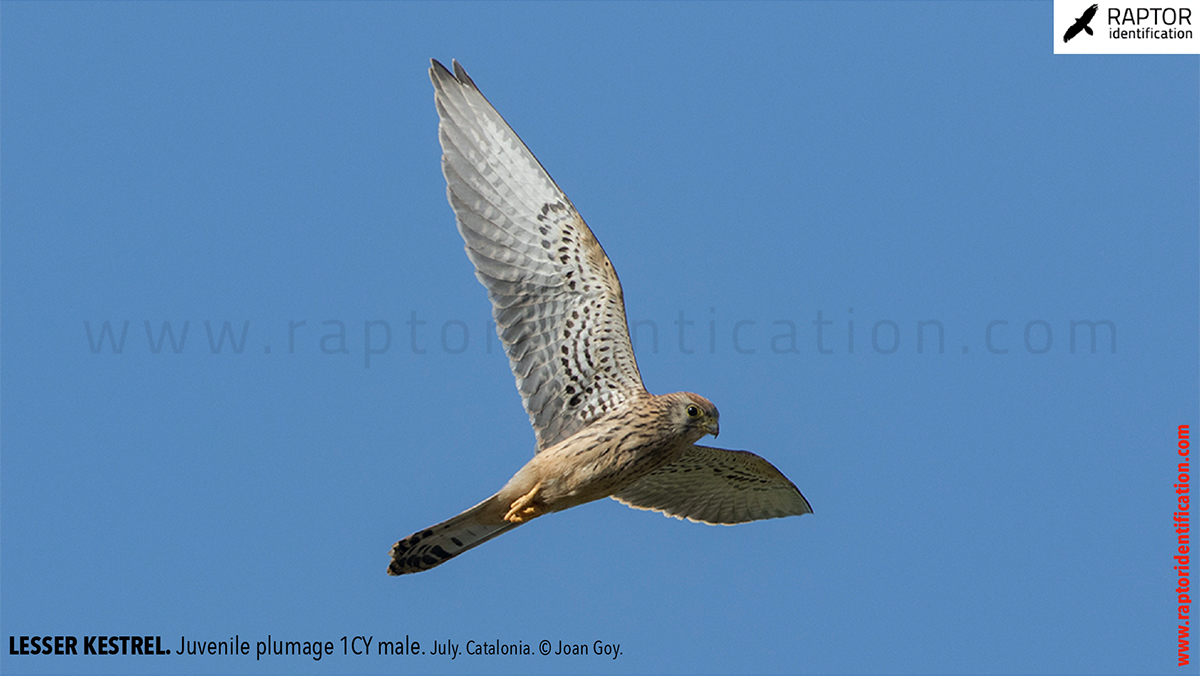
[[807, 506], [460, 74], [439, 72]]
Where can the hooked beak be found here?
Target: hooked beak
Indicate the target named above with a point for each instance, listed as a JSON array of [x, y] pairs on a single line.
[[712, 427]]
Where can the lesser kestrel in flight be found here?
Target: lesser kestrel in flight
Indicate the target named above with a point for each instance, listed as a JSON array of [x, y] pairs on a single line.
[[560, 313]]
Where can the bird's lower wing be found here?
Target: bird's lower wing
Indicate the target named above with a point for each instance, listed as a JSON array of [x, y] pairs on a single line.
[[715, 486]]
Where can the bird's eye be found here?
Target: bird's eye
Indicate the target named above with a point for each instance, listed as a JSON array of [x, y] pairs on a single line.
[[693, 411]]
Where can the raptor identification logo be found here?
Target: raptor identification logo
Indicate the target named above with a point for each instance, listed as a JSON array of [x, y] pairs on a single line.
[[1127, 27]]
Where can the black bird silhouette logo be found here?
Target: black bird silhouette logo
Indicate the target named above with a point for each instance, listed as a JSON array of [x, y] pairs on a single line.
[[1081, 24]]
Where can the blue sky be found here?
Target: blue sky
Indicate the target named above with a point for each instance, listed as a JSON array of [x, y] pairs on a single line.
[[999, 507]]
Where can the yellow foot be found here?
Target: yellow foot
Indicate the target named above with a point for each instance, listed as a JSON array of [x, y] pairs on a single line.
[[521, 509]]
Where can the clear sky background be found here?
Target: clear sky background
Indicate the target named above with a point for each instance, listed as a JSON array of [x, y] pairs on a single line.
[[749, 167]]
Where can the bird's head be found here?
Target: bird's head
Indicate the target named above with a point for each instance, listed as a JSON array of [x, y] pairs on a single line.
[[695, 415]]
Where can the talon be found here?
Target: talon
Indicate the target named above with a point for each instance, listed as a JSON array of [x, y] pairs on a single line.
[[521, 509]]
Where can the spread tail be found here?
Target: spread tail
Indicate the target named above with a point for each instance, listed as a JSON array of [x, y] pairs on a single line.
[[433, 546]]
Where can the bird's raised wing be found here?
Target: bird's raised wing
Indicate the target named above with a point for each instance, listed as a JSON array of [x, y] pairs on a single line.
[[555, 295], [714, 486]]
